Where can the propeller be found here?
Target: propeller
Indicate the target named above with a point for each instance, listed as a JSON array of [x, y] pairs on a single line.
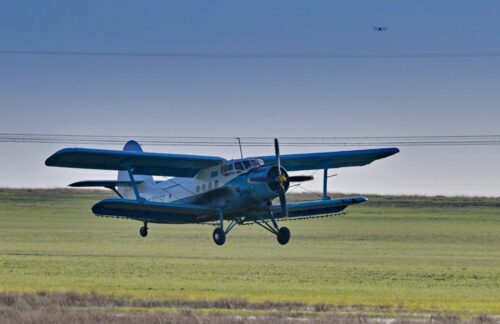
[[281, 179], [301, 178]]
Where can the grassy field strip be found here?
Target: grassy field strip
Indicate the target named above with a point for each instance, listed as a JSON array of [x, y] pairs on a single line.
[[389, 255], [231, 309]]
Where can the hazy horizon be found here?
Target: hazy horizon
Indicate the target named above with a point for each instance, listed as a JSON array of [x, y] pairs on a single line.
[[241, 97]]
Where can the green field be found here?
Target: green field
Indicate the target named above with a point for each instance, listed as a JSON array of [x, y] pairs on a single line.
[[397, 254]]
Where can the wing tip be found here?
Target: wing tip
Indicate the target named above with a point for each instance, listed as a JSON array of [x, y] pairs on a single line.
[[394, 150], [52, 160], [361, 199], [55, 158], [388, 151]]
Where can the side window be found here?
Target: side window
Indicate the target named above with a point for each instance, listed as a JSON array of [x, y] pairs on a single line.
[[204, 187], [209, 186], [197, 189], [227, 169], [216, 184]]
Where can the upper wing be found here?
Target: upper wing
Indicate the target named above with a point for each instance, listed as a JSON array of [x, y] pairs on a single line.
[[149, 211], [330, 160], [173, 165]]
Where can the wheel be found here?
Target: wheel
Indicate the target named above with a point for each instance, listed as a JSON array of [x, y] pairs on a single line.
[[283, 235], [143, 231], [219, 236]]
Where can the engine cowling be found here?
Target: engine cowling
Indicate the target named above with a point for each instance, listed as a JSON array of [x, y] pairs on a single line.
[[266, 190]]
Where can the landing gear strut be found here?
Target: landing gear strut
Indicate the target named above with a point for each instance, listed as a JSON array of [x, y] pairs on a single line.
[[219, 234], [282, 233], [144, 230]]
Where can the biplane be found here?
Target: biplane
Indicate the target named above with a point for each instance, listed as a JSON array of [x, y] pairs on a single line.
[[209, 189]]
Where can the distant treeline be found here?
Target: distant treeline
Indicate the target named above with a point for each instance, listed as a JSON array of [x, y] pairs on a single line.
[[402, 201], [413, 201]]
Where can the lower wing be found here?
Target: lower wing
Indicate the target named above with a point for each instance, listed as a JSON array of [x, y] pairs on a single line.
[[155, 212], [176, 213], [309, 209]]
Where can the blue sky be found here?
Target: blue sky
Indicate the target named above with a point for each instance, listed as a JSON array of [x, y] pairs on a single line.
[[257, 97]]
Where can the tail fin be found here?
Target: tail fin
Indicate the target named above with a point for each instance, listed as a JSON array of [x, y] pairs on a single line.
[[148, 184]]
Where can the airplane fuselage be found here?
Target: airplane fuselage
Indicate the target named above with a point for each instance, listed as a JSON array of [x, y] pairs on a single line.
[[214, 186]]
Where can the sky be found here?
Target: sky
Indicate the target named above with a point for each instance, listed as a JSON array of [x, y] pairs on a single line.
[[133, 96]]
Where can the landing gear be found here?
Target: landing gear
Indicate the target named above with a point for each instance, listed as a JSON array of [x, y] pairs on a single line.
[[283, 235], [144, 230], [219, 236]]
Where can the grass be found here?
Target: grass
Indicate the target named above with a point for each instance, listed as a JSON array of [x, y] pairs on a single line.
[[45, 307], [390, 256]]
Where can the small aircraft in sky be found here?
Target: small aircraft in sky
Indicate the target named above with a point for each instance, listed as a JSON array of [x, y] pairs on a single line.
[[208, 189]]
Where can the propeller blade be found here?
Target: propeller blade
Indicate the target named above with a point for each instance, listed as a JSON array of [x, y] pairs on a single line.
[[261, 180], [281, 179], [290, 179], [300, 178], [277, 152], [284, 206]]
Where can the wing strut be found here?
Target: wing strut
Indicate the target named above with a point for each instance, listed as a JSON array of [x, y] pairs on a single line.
[[113, 188], [325, 184], [134, 185]]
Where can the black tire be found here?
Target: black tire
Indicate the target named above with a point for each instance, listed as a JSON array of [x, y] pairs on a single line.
[[219, 236], [283, 235], [143, 231]]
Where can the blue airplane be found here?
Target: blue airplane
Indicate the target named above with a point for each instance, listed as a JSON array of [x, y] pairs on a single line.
[[208, 189]]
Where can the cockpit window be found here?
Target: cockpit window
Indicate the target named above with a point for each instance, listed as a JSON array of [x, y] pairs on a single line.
[[247, 164], [239, 166], [256, 163]]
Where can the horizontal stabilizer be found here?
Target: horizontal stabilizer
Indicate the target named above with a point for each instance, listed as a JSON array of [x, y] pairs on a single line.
[[102, 183], [148, 211]]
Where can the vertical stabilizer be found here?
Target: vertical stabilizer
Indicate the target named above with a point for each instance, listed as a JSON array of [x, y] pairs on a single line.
[[148, 185]]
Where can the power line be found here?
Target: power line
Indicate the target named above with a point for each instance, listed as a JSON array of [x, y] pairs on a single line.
[[235, 55], [257, 138], [340, 141]]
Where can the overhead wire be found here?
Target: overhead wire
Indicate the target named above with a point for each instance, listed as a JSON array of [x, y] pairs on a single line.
[[225, 141], [260, 55]]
